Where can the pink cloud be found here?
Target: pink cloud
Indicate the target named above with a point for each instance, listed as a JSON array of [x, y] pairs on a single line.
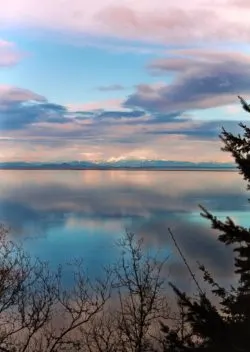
[[240, 3], [203, 80], [188, 60], [9, 55], [149, 21], [96, 105], [167, 26], [15, 94]]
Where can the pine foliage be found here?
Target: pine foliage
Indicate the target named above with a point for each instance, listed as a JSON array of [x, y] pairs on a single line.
[[207, 326]]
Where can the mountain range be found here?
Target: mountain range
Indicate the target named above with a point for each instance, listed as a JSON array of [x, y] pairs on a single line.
[[116, 164]]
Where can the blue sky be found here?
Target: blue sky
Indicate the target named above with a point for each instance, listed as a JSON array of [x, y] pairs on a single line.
[[120, 79], [75, 72]]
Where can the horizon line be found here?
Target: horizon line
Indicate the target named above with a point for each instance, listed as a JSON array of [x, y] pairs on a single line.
[[181, 168]]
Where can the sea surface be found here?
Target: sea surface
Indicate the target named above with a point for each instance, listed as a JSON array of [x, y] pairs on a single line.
[[63, 215]]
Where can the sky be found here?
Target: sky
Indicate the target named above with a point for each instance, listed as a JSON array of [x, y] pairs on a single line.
[[121, 79]]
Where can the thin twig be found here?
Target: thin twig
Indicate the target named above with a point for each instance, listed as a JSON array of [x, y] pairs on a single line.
[[185, 262]]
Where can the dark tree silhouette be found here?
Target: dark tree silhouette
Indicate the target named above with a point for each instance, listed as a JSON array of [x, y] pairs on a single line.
[[204, 325]]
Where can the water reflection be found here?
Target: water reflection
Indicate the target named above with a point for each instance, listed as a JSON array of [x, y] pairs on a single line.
[[66, 214]]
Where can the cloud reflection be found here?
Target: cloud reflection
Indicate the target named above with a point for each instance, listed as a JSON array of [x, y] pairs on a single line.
[[82, 213]]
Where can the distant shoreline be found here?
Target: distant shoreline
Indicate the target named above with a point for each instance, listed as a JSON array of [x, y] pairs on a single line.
[[119, 169]]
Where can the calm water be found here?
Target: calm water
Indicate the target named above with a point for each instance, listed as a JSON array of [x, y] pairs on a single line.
[[60, 215]]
